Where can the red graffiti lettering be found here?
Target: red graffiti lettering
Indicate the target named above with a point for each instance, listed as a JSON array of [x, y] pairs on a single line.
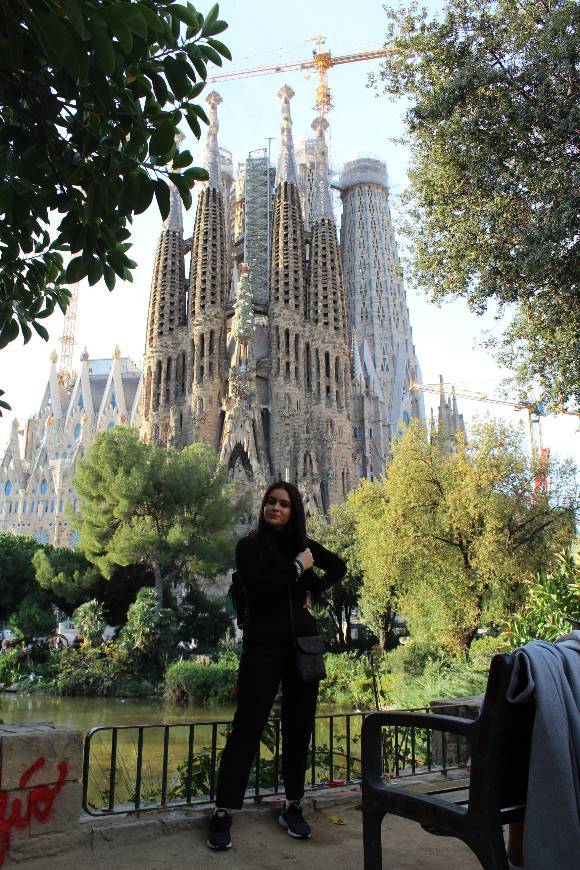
[[39, 804]]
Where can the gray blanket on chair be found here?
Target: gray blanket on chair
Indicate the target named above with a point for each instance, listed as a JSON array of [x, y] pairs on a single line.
[[549, 675]]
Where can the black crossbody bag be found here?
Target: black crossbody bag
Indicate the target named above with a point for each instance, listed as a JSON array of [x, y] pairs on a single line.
[[308, 651]]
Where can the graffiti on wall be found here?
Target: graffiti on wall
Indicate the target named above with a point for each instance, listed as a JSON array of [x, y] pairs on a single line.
[[16, 813]]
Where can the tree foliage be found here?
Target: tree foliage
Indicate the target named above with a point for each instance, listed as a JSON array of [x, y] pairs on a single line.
[[65, 574], [493, 196], [550, 600], [16, 571], [89, 620], [202, 618], [449, 539], [91, 96], [339, 536], [150, 634], [169, 510]]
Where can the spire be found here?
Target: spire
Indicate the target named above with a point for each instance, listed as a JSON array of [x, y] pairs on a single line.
[[212, 151], [243, 322], [286, 161], [321, 199], [174, 220]]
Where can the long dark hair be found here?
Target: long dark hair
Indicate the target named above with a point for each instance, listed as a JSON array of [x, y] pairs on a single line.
[[296, 526]]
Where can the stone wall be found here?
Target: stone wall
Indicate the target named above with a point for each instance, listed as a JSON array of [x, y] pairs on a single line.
[[40, 789]]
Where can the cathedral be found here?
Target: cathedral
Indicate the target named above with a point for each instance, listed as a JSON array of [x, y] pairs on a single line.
[[287, 349], [286, 345]]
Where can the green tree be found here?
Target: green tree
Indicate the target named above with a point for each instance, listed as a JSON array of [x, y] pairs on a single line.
[[150, 634], [34, 617], [16, 571], [493, 196], [449, 538], [550, 599], [378, 595], [339, 535], [65, 574], [89, 620], [91, 96], [173, 511], [202, 618]]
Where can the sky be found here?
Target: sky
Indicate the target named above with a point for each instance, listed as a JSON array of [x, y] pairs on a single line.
[[448, 339]]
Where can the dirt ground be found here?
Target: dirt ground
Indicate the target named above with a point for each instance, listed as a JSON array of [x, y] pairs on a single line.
[[259, 843]]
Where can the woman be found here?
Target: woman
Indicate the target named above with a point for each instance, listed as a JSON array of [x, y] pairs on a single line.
[[274, 563]]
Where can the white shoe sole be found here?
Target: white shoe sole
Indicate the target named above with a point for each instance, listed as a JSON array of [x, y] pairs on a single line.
[[282, 821], [218, 848]]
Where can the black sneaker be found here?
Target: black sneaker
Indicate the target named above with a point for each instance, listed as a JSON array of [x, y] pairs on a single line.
[[291, 818], [219, 831]]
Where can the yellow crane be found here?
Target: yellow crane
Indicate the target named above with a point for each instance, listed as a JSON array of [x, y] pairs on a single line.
[[320, 62]]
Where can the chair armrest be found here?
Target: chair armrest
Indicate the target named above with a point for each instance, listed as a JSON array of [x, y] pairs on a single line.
[[373, 722], [434, 721]]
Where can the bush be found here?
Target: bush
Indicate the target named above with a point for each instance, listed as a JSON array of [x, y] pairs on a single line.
[[104, 671], [549, 599], [150, 635], [34, 617], [201, 681], [15, 664], [348, 681], [89, 620]]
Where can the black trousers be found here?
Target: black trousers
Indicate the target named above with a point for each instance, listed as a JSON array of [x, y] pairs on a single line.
[[262, 669]]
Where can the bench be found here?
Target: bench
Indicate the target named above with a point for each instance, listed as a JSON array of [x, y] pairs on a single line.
[[499, 741]]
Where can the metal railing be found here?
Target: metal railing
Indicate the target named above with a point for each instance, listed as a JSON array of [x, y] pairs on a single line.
[[140, 768]]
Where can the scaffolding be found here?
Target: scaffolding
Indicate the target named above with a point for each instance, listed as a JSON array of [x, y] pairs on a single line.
[[259, 177]]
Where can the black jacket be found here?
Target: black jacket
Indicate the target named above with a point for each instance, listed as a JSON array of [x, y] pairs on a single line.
[[269, 579]]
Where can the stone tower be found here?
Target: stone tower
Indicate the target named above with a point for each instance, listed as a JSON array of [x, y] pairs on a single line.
[[208, 294], [287, 306], [326, 352], [384, 360], [165, 384]]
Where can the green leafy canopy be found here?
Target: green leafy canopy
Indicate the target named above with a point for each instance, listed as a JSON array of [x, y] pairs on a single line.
[[91, 96], [492, 204]]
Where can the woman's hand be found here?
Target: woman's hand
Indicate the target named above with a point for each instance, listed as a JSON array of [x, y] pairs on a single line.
[[305, 559], [308, 603]]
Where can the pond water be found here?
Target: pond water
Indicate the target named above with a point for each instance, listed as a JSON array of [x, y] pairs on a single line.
[[174, 743]]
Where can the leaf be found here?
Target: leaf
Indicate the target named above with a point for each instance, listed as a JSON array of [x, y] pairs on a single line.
[[95, 271], [60, 42], [41, 330], [8, 333], [337, 820], [110, 277], [159, 87], [219, 46], [104, 50], [141, 192], [114, 19], [196, 173], [185, 15], [152, 20], [193, 125], [212, 55], [182, 159], [162, 139], [76, 270], [133, 18], [163, 197], [176, 75], [210, 20]]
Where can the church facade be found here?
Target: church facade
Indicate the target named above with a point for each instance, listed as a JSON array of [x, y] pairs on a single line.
[[288, 352]]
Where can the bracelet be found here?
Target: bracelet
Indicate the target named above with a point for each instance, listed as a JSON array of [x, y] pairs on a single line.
[[299, 568]]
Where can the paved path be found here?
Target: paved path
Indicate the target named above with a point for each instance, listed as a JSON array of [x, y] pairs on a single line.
[[261, 844]]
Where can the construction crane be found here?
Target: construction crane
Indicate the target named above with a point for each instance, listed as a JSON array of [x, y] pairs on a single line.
[[321, 62], [540, 454], [67, 339]]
